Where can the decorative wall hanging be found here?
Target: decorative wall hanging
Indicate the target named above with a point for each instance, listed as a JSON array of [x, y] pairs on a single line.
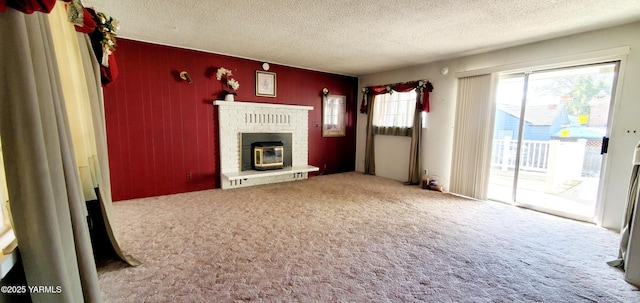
[[102, 31], [232, 84], [265, 84], [334, 108], [184, 75]]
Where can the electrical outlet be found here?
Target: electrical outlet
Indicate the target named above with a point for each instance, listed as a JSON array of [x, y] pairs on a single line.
[[189, 175]]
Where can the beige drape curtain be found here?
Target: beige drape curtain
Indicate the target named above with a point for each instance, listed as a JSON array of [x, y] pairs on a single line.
[[632, 198], [398, 117], [80, 79], [369, 153], [416, 144], [47, 201], [100, 162], [473, 133], [76, 95]]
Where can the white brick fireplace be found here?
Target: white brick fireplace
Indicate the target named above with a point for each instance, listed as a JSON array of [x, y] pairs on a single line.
[[235, 118]]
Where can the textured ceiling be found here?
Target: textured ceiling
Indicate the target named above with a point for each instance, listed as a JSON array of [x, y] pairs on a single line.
[[358, 37]]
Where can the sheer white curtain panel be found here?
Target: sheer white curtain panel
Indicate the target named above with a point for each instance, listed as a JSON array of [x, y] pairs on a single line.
[[393, 113]]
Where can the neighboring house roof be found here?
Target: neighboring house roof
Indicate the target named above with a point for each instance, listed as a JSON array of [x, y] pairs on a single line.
[[580, 132], [535, 114]]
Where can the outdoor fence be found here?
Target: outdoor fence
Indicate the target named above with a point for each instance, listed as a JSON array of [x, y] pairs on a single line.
[[535, 156]]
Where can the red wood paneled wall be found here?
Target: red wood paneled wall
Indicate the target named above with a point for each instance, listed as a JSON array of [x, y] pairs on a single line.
[[162, 132]]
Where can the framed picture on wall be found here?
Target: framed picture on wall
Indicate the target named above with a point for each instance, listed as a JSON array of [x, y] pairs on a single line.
[[265, 84], [334, 108]]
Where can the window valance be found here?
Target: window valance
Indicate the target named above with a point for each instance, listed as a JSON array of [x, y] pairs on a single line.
[[100, 29], [29, 6], [422, 87]]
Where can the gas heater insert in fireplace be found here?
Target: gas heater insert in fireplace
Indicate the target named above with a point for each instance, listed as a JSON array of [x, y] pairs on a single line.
[[267, 155]]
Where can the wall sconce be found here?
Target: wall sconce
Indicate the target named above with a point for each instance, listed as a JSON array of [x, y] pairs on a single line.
[[185, 76], [325, 91], [444, 70]]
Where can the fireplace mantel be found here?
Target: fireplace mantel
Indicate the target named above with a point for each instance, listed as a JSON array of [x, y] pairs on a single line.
[[237, 104], [235, 118]]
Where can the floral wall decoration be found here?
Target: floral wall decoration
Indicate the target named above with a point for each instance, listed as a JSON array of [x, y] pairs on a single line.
[[232, 84], [108, 27], [102, 31]]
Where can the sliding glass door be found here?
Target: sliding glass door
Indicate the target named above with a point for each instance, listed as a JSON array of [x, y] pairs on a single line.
[[547, 141]]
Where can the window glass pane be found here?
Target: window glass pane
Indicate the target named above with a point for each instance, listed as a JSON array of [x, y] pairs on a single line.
[[565, 117], [394, 110]]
